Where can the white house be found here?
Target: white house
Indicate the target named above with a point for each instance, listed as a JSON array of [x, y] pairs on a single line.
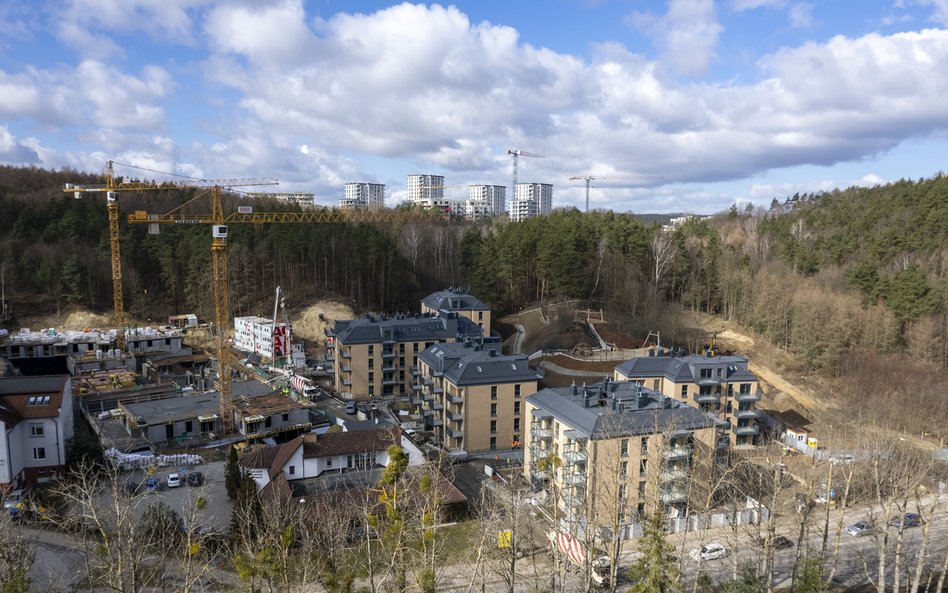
[[310, 455], [36, 421]]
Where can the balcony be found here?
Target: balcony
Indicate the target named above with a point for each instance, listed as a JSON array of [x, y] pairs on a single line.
[[748, 397], [709, 381], [436, 390], [416, 387], [677, 452], [745, 430], [388, 368], [346, 354], [541, 433], [575, 456], [347, 382], [745, 413], [673, 495], [707, 398], [414, 400], [438, 406], [575, 479], [539, 474], [388, 355], [454, 434], [390, 381], [437, 421], [346, 368], [454, 416], [673, 475], [414, 370], [455, 399]]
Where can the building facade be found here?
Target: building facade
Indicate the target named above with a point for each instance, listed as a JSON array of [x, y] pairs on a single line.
[[472, 396], [375, 356], [364, 195], [302, 199], [485, 201], [260, 335], [610, 453], [531, 200], [36, 421], [721, 385], [427, 191], [460, 301]]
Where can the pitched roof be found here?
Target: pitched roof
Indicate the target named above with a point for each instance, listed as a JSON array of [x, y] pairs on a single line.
[[613, 409], [346, 443], [454, 299], [685, 368], [31, 397], [404, 328], [476, 363]]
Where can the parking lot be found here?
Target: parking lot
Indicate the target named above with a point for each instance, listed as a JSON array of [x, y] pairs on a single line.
[[214, 516]]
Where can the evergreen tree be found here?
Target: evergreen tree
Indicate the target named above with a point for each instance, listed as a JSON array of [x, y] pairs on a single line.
[[232, 475], [656, 570]]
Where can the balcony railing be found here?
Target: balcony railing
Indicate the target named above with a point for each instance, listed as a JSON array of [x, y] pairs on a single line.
[[346, 354], [454, 434], [455, 416], [673, 475], [455, 399], [388, 355], [541, 433], [746, 413], [388, 368], [346, 368], [745, 430], [673, 495], [574, 478], [437, 406], [677, 452], [707, 398], [575, 456], [437, 390], [748, 397]]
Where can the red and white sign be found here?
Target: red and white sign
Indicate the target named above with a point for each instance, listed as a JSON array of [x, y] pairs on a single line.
[[281, 340]]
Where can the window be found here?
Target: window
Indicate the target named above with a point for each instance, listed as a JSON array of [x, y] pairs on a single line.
[[493, 426], [745, 388], [401, 349], [642, 486], [720, 373], [36, 430], [624, 470], [401, 361], [622, 494], [371, 377], [286, 416], [516, 424], [480, 316], [643, 468], [292, 470], [38, 400], [704, 390], [705, 373], [493, 410], [517, 390], [414, 347], [684, 391], [329, 462], [516, 407], [371, 350], [39, 453], [371, 363], [624, 447], [493, 392], [493, 443], [644, 445], [655, 384], [188, 426]]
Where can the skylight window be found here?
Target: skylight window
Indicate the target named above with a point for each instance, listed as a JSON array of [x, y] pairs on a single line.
[[479, 369], [38, 400]]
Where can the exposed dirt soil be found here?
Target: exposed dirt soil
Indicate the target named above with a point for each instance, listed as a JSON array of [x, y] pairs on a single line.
[[72, 320], [566, 362], [612, 336], [308, 325]]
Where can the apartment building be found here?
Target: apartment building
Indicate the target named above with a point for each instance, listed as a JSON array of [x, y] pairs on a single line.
[[261, 336], [472, 396], [721, 385], [427, 190], [531, 200], [609, 453], [374, 356], [364, 195], [36, 420], [485, 201], [301, 199], [461, 301]]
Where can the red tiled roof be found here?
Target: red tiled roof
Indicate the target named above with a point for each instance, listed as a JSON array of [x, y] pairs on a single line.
[[345, 443]]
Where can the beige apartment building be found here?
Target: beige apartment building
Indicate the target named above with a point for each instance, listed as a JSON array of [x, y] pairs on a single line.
[[472, 396], [373, 357], [460, 301], [611, 452], [721, 385]]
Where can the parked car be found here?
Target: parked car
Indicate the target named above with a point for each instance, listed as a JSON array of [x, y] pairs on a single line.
[[711, 551], [195, 479], [779, 542], [350, 407], [174, 480], [909, 520], [13, 499], [859, 529], [152, 485]]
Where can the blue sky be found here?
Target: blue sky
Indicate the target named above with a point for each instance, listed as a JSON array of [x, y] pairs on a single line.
[[722, 101]]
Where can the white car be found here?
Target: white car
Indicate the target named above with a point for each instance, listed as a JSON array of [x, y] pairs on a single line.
[[859, 529], [174, 480], [711, 551]]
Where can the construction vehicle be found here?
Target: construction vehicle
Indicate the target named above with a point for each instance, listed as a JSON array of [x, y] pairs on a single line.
[[589, 179], [304, 386], [572, 549]]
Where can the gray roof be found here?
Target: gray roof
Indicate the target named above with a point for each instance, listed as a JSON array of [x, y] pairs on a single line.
[[685, 368], [614, 409], [177, 409], [476, 362], [32, 384], [454, 299], [404, 328]]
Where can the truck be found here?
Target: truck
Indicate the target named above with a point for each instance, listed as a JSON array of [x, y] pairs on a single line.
[[304, 386], [565, 544]]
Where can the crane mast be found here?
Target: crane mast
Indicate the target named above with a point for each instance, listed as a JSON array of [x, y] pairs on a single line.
[[516, 153], [589, 178]]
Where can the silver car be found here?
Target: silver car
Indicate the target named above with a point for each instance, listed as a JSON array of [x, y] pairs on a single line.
[[859, 529]]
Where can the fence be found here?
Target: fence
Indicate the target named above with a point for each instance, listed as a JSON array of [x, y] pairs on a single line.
[[753, 513]]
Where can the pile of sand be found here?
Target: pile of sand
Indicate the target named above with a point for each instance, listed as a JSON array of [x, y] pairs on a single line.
[[309, 326]]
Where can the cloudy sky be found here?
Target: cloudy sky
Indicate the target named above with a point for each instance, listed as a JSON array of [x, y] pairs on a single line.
[[722, 100]]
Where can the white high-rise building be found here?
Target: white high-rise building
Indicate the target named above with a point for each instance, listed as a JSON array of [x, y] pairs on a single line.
[[427, 190], [364, 195], [485, 201], [530, 200]]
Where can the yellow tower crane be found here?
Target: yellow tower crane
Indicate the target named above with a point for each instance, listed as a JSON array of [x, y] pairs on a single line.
[[219, 223], [110, 188]]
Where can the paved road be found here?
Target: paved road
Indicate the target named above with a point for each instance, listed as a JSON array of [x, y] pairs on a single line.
[[518, 339]]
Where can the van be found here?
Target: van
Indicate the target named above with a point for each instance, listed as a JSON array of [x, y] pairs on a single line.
[[350, 407]]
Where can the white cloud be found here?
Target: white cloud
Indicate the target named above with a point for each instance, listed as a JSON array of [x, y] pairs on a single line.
[[686, 35], [14, 151], [741, 5], [801, 14], [764, 192], [869, 180], [939, 8]]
